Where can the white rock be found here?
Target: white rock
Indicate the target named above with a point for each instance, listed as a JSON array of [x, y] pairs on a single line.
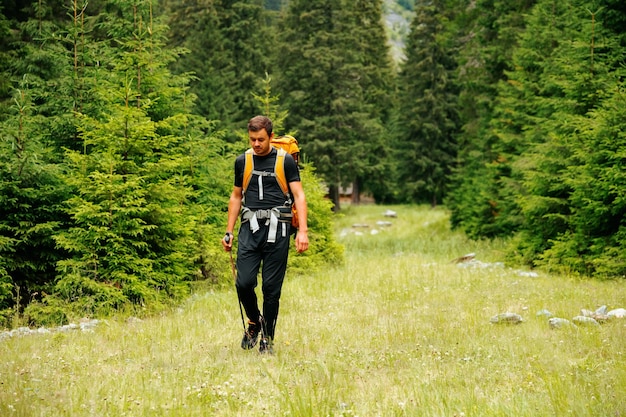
[[390, 213], [618, 313], [585, 321], [383, 224], [544, 313], [558, 323]]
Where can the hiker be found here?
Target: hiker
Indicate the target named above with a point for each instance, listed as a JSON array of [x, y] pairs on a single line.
[[264, 232]]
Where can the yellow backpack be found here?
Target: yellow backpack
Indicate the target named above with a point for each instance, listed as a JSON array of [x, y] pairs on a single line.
[[284, 144], [289, 144]]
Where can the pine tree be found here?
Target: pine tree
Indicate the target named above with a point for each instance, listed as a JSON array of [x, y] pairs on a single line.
[[328, 84], [131, 236], [487, 37], [427, 109], [228, 45], [571, 201], [32, 189]]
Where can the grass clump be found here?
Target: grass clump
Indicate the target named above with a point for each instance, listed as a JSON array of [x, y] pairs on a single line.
[[396, 330]]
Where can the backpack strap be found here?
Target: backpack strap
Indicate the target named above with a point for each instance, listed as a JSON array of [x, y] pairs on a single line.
[[279, 170], [248, 167]]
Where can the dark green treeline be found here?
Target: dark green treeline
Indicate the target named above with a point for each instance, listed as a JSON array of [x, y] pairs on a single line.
[[120, 120]]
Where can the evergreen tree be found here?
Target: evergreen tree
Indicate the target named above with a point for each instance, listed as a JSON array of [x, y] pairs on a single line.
[[487, 37], [31, 194], [32, 189], [131, 236], [228, 43], [571, 201], [427, 115], [374, 161], [328, 84]]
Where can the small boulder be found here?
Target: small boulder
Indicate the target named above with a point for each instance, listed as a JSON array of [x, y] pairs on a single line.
[[383, 224], [600, 315], [585, 321], [544, 313], [506, 318], [602, 311], [618, 313], [559, 323], [390, 213]]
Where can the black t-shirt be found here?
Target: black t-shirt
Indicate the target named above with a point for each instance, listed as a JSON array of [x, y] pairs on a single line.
[[273, 195]]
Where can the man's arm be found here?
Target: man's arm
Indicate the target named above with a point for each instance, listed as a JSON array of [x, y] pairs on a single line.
[[299, 199], [234, 207]]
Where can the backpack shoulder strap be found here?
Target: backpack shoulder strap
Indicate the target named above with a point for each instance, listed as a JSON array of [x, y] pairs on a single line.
[[279, 170], [248, 167]]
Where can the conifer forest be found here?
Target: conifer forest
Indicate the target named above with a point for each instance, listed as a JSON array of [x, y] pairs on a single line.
[[120, 121]]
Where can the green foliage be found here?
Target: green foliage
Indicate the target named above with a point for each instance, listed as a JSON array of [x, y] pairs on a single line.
[[427, 119], [591, 237], [31, 194], [228, 45], [478, 197], [5, 62], [335, 86], [131, 236], [212, 167], [323, 250], [570, 203], [49, 312], [6, 295]]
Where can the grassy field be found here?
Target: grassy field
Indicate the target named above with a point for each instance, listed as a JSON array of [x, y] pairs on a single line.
[[398, 330]]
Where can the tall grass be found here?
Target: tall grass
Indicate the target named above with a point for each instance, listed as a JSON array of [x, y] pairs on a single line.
[[398, 330]]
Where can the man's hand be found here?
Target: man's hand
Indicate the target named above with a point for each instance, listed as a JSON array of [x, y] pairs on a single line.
[[227, 241], [302, 241]]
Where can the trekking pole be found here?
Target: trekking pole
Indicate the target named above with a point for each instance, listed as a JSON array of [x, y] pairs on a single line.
[[232, 266]]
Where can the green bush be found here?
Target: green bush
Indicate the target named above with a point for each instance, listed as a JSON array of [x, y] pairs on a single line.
[[323, 248], [50, 312]]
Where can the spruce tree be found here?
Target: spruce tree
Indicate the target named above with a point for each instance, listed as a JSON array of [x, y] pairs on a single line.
[[131, 237], [571, 199], [332, 87], [487, 36], [228, 44], [427, 113], [34, 126]]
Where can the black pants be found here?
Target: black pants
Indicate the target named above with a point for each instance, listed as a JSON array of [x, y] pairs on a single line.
[[254, 251]]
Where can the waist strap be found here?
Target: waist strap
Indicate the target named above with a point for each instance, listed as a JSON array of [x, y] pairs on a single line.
[[271, 216]]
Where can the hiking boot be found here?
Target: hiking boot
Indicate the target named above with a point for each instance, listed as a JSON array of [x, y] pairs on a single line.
[[251, 335], [266, 346]]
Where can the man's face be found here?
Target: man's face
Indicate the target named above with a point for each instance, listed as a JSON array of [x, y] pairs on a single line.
[[260, 142]]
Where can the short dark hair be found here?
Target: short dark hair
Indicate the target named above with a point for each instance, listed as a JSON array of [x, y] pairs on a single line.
[[260, 122]]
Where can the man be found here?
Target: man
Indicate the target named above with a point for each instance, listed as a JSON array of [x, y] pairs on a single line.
[[264, 233]]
